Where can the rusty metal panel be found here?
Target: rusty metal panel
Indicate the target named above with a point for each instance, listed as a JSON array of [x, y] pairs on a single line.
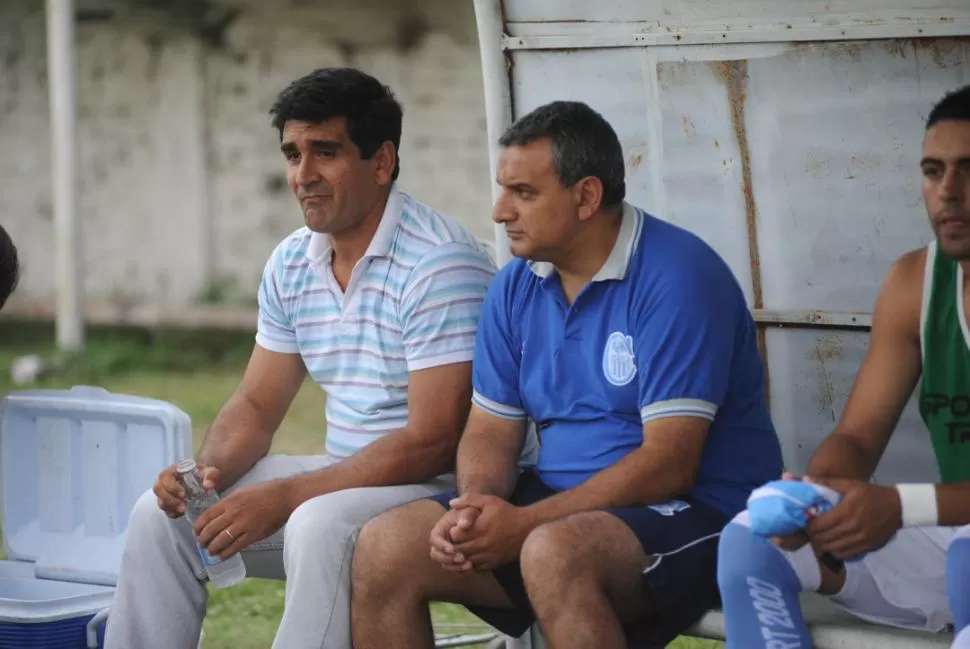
[[811, 374], [799, 164], [814, 153], [837, 180], [700, 11]]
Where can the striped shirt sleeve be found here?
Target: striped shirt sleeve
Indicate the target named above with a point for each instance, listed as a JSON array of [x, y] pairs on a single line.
[[274, 329], [442, 303]]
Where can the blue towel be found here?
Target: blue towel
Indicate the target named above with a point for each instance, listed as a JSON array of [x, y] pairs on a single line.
[[783, 507]]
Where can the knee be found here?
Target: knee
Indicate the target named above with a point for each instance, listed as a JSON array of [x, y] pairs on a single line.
[[960, 543], [742, 554], [378, 565], [737, 547], [320, 523], [553, 552], [958, 557], [147, 520], [373, 550]]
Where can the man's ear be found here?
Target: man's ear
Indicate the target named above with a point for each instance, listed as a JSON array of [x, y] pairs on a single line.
[[386, 161], [588, 193]]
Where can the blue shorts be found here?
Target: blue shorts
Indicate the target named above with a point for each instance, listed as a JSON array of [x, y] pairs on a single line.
[[680, 588]]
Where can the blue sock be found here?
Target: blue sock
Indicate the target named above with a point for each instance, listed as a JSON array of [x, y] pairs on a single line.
[[958, 581], [759, 593]]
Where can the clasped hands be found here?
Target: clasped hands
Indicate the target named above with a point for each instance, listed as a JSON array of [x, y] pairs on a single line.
[[865, 519], [479, 533]]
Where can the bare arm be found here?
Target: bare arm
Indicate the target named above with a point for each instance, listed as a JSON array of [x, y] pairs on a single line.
[[438, 401], [664, 467], [885, 381], [243, 430], [953, 503], [488, 456]]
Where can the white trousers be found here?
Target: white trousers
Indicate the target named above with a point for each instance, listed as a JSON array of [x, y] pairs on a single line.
[[161, 595]]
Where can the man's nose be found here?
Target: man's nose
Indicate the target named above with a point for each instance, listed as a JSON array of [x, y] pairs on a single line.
[[954, 185], [502, 212], [307, 172]]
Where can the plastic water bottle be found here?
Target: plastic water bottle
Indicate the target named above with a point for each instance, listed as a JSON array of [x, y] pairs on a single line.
[[222, 574]]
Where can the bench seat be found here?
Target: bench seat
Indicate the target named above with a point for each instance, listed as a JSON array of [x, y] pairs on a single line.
[[833, 628]]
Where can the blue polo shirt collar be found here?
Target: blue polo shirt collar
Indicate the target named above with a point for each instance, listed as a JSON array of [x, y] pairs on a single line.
[[618, 262]]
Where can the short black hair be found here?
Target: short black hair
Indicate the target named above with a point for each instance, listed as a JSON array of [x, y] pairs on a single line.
[[9, 266], [954, 106], [373, 114], [583, 144]]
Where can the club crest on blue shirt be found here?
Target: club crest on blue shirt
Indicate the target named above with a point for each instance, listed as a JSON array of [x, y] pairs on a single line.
[[619, 364]]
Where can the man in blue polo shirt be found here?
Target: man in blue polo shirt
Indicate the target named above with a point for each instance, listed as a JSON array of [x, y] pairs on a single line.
[[628, 342]]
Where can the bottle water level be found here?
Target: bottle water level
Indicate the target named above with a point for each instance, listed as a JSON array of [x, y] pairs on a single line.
[[222, 574]]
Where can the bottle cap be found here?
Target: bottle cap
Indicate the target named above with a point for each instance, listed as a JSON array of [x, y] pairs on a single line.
[[185, 466]]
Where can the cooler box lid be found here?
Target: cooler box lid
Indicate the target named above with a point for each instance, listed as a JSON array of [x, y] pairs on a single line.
[[72, 464]]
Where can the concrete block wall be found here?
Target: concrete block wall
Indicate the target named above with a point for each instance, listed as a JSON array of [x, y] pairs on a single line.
[[182, 188]]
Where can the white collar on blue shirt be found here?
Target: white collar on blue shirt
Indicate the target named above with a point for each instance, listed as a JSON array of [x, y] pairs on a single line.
[[618, 262], [319, 249]]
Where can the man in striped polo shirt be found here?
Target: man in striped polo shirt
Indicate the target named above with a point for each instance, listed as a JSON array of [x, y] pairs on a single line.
[[378, 299]]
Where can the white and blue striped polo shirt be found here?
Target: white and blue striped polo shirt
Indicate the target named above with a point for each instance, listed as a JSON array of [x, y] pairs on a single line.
[[412, 302]]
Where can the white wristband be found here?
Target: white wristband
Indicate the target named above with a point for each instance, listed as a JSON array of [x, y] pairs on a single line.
[[918, 504]]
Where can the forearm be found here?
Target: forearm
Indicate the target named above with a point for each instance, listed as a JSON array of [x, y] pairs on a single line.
[[236, 441], [637, 479], [842, 456], [398, 458], [953, 504], [487, 466]]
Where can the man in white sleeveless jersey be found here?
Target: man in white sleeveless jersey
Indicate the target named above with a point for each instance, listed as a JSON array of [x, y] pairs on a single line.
[[892, 554]]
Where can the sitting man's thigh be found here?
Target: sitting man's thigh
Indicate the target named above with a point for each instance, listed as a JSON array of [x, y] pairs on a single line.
[[657, 566], [590, 550], [343, 513], [264, 558], [277, 467], [393, 558]]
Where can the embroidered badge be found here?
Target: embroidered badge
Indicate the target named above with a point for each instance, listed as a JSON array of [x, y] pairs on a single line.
[[619, 363]]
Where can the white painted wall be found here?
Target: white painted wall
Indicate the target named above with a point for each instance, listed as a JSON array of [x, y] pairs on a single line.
[[181, 176]]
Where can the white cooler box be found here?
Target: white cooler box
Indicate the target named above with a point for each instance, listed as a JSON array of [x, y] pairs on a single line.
[[72, 464]]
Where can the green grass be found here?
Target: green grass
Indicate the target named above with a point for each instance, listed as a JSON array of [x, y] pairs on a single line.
[[197, 372]]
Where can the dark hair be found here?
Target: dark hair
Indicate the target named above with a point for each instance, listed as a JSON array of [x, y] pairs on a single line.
[[953, 106], [583, 144], [373, 114], [9, 266]]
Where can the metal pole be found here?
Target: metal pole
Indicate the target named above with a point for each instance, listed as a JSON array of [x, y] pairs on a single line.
[[62, 89], [498, 97], [498, 117]]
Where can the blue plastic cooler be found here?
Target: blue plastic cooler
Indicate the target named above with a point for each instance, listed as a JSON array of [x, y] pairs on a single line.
[[72, 464]]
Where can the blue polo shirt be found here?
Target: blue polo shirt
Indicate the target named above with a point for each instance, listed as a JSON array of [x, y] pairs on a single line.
[[662, 331]]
